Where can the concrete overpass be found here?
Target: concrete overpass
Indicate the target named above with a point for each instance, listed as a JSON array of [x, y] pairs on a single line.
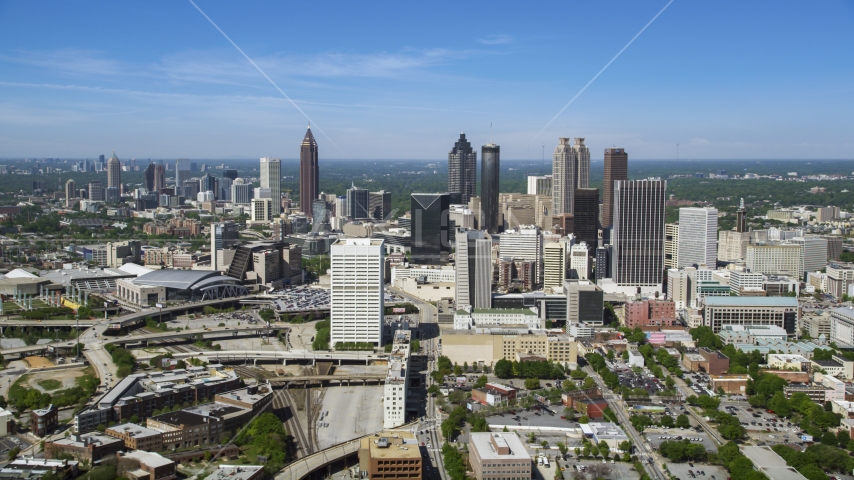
[[340, 380], [206, 333], [23, 351], [305, 466], [281, 356], [84, 322]]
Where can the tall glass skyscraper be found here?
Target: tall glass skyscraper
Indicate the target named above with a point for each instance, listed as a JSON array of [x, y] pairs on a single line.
[[114, 172], [430, 242], [616, 168], [358, 201], [563, 177], [309, 176], [490, 164], [462, 169], [638, 249], [271, 177]]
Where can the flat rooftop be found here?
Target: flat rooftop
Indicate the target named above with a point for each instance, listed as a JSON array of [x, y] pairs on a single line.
[[87, 439], [181, 417], [401, 445], [152, 460], [133, 430], [242, 395], [768, 462], [751, 302], [483, 443], [234, 472]]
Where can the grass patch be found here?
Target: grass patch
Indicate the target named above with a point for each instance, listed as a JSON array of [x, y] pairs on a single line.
[[19, 385], [50, 384]]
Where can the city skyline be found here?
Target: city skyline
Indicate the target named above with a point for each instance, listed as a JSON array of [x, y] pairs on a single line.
[[65, 93]]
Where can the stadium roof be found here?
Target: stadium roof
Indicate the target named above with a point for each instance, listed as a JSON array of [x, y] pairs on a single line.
[[178, 279]]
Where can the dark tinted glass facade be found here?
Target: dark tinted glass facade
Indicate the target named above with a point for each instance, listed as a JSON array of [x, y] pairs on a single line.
[[462, 170], [616, 168], [586, 221], [430, 242], [489, 173]]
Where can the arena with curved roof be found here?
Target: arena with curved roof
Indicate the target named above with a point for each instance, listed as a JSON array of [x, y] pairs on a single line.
[[177, 285]]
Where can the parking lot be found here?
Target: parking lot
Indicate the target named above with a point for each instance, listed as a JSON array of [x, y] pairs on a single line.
[[591, 468], [699, 383], [298, 298], [655, 436], [644, 380], [764, 427], [702, 471]]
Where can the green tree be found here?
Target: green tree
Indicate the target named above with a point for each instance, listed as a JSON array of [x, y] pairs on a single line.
[[532, 383], [682, 421], [503, 368]]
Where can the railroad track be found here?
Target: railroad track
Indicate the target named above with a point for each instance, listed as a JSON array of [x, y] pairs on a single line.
[[281, 401]]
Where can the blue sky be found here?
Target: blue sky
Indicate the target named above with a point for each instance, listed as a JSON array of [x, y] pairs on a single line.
[[399, 80]]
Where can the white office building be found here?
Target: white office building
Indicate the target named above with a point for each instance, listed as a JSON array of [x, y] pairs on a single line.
[[397, 378], [540, 185], [743, 281], [776, 259], [526, 243], [473, 269], [815, 252], [677, 288], [271, 177], [579, 261], [698, 237], [357, 281]]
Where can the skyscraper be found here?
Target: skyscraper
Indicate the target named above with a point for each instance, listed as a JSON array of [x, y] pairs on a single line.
[[358, 201], [96, 191], [379, 205], [149, 177], [182, 173], [582, 164], [230, 173], [207, 183], [223, 235], [309, 176], [356, 294], [563, 177], [473, 269], [241, 192], [271, 177], [698, 237], [638, 250], [490, 155], [462, 169], [554, 264], [616, 168], [741, 217], [540, 185], [114, 172], [159, 177], [70, 192], [586, 217], [429, 237]]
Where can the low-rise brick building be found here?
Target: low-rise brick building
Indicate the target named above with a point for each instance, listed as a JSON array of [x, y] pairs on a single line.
[[91, 447]]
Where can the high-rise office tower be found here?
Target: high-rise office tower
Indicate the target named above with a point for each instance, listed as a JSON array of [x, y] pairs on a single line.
[[191, 188], [637, 257], [182, 173], [603, 263], [357, 290], [741, 217], [554, 264], [586, 217], [230, 173], [526, 244], [309, 176], [698, 237], [207, 183], [579, 261], [70, 192], [159, 178], [379, 204], [96, 191], [490, 166], [271, 177], [114, 172], [563, 177], [540, 185], [473, 269], [429, 237], [241, 192], [462, 169], [113, 194], [358, 201], [319, 212], [224, 188], [671, 245], [582, 164], [262, 209], [149, 177], [616, 168]]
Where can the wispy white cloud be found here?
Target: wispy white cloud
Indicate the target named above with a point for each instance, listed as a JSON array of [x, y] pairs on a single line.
[[70, 60], [496, 40]]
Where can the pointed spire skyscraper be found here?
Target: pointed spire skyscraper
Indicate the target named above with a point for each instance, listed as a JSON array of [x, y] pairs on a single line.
[[309, 175]]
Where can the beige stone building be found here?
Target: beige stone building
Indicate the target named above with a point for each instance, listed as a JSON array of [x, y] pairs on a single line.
[[468, 346]]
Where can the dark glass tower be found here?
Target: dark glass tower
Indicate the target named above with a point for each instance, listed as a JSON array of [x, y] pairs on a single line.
[[149, 177], [462, 170], [230, 173], [637, 255], [430, 243], [309, 175], [586, 221], [490, 165], [358, 203], [616, 168]]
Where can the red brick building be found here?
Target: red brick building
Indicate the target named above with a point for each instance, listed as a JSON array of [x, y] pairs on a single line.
[[650, 312]]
